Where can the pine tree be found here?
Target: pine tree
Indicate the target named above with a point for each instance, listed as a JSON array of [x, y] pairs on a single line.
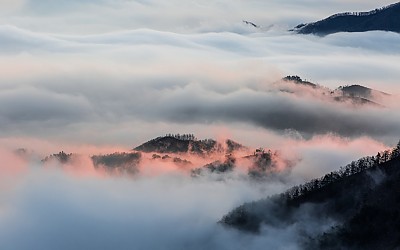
[[396, 151]]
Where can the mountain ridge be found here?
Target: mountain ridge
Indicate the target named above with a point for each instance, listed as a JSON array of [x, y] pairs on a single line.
[[355, 93], [386, 18], [188, 143], [362, 198]]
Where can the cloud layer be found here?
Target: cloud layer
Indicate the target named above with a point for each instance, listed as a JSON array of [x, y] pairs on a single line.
[[100, 76], [49, 209], [88, 84], [64, 207]]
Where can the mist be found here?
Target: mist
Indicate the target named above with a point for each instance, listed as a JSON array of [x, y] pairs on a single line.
[[55, 208], [71, 205], [98, 77]]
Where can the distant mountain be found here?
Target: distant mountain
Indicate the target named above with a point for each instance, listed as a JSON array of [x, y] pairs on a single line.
[[176, 160], [261, 165], [385, 19], [115, 163], [208, 156], [251, 24], [357, 94], [360, 101], [298, 80], [363, 200], [217, 167], [362, 91], [60, 157], [232, 146], [187, 144], [118, 163], [166, 144]]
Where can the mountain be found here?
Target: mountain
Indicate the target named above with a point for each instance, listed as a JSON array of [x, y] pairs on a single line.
[[359, 95], [298, 80], [261, 165], [251, 24], [115, 163], [187, 143], [356, 94], [356, 100], [217, 167], [362, 91], [385, 19], [60, 157], [164, 150], [232, 146], [362, 199], [118, 163], [179, 144]]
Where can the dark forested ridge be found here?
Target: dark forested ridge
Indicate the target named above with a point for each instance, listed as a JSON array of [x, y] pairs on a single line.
[[178, 150], [362, 198], [360, 91], [385, 19], [115, 163], [187, 143], [118, 163], [60, 157], [167, 144], [261, 165]]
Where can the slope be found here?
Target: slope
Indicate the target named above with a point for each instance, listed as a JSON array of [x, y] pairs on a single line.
[[385, 19], [362, 199]]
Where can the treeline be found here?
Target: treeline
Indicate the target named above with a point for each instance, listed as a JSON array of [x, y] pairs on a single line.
[[298, 80], [62, 157], [293, 78], [353, 168], [372, 12], [116, 159], [118, 163], [183, 137]]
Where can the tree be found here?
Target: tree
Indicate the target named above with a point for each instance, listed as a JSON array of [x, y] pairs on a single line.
[[386, 155], [378, 159], [396, 151]]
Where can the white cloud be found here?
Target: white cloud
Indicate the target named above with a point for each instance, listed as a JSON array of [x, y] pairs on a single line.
[[120, 72], [89, 83], [49, 209]]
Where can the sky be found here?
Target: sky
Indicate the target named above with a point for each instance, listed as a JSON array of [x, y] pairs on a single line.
[[100, 76]]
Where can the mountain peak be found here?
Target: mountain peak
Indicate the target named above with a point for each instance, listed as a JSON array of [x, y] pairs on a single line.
[[187, 143], [297, 79], [356, 94]]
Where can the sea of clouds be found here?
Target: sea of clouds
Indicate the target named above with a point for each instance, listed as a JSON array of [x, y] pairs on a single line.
[[102, 76]]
